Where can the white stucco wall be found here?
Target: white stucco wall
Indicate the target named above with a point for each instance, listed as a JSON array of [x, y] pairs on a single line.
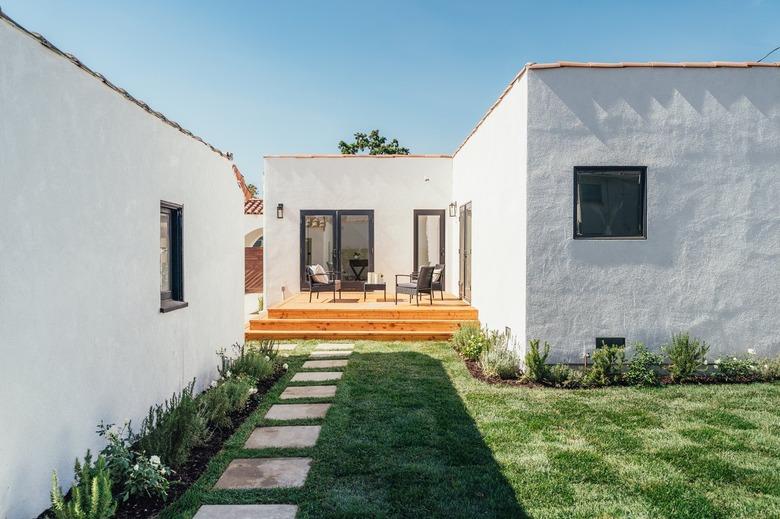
[[490, 172], [253, 228], [82, 174], [710, 139], [392, 187]]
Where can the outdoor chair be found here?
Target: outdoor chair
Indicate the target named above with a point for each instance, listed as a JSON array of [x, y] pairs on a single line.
[[421, 284], [438, 279], [320, 280]]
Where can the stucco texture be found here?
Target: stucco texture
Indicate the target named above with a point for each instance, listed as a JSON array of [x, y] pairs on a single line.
[[710, 139], [82, 174]]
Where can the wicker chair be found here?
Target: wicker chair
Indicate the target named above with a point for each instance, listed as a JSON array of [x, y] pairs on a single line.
[[333, 284], [438, 279], [421, 284]]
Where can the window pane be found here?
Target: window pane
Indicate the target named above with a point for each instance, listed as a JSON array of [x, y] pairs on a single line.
[[319, 240], [165, 252], [354, 247], [428, 245], [609, 203]]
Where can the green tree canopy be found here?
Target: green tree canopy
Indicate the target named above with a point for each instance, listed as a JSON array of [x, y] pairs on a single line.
[[374, 143], [252, 189]]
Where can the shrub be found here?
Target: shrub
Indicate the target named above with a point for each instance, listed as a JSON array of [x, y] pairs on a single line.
[[253, 361], [686, 356], [132, 472], [90, 496], [736, 368], [173, 428], [643, 368], [536, 369], [770, 369], [561, 375], [607, 366], [499, 359], [475, 345], [463, 335], [219, 402]]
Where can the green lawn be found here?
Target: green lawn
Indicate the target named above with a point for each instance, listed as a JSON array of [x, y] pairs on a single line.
[[411, 434]]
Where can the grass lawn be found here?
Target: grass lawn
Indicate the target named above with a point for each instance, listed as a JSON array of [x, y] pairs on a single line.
[[411, 434]]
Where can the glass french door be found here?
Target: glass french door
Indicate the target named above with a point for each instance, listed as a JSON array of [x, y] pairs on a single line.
[[341, 241]]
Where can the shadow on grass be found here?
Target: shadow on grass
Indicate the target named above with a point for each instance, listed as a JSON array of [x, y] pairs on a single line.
[[399, 443]]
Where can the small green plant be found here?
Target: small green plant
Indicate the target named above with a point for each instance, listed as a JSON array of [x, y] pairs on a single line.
[[174, 428], [463, 335], [536, 369], [686, 356], [475, 345], [255, 361], [132, 473], [259, 304], [500, 359], [225, 398], [607, 366], [90, 497], [732, 369], [643, 368], [770, 369], [561, 375]]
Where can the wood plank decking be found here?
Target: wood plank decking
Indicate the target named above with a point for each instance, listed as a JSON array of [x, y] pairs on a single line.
[[352, 318]]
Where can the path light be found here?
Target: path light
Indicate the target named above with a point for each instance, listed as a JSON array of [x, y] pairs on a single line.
[[280, 211], [453, 209]]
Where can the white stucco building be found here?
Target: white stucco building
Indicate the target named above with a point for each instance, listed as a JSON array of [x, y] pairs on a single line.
[[627, 200], [111, 215]]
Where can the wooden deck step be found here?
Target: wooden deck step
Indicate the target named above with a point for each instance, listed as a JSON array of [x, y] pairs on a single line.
[[388, 325], [348, 335], [451, 313]]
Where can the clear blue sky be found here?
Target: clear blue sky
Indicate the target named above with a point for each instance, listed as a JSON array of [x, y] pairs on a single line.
[[256, 77]]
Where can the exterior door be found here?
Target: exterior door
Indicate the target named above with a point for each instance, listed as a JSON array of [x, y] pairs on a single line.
[[465, 252], [340, 241], [429, 246], [318, 241]]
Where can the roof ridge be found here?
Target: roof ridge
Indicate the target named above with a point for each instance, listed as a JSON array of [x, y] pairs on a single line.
[[124, 93]]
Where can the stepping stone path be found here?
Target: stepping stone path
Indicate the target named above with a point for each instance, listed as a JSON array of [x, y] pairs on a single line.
[[247, 512], [308, 392], [282, 472], [315, 364], [316, 376]]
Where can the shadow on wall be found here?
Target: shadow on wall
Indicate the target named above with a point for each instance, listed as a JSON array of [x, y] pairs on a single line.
[[591, 101], [400, 443]]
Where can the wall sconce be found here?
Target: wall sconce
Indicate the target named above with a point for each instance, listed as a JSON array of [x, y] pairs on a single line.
[[453, 209], [280, 211]]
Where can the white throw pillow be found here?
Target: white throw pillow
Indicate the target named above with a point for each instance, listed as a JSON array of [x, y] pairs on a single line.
[[320, 276]]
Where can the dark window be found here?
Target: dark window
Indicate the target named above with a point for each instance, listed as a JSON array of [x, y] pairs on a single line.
[[610, 341], [609, 202], [171, 258]]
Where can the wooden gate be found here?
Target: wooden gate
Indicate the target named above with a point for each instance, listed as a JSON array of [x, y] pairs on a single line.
[[253, 269]]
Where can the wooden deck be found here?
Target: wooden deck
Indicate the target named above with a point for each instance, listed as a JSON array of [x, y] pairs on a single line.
[[352, 318]]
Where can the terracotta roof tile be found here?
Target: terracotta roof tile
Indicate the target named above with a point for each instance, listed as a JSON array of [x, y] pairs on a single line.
[[253, 206]]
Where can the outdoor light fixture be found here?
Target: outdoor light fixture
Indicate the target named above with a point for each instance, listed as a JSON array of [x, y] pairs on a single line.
[[453, 209], [280, 211]]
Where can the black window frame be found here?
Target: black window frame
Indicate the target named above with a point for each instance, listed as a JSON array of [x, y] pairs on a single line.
[[642, 170], [174, 299]]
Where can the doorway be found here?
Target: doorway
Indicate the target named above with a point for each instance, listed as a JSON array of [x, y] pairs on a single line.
[[464, 250], [341, 241], [429, 248]]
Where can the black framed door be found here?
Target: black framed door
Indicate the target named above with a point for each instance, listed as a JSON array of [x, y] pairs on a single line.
[[341, 241], [464, 252], [429, 235]]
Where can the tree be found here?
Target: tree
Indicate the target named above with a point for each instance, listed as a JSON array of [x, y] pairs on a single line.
[[374, 143], [252, 189]]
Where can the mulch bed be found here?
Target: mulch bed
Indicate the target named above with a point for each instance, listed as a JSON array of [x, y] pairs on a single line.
[[476, 371], [143, 507]]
